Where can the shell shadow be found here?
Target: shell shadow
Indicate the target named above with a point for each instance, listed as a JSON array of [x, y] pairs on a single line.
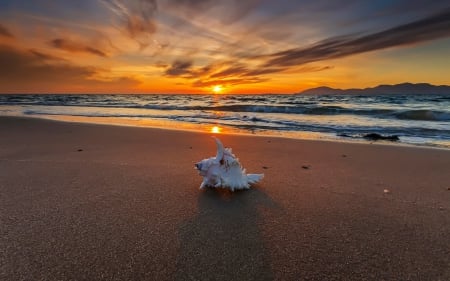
[[224, 241]]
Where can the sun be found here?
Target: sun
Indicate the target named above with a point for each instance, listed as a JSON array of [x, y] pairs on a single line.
[[217, 89], [216, 130]]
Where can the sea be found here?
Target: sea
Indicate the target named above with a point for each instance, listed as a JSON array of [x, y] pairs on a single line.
[[422, 120]]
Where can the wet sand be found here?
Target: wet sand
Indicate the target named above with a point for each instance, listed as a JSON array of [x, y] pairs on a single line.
[[96, 202]]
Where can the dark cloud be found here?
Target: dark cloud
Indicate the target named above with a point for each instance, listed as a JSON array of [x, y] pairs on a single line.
[[244, 71], [5, 32], [205, 70], [75, 47], [180, 68], [433, 27], [135, 26], [23, 71], [231, 71], [263, 71], [27, 66], [45, 57], [229, 81], [312, 68], [224, 73], [185, 69]]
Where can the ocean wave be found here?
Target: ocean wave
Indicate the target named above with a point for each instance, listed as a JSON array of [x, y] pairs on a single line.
[[418, 115], [384, 107], [408, 116], [415, 115], [423, 115], [93, 114]]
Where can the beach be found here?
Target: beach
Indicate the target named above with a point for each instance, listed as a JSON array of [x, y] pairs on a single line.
[[98, 202]]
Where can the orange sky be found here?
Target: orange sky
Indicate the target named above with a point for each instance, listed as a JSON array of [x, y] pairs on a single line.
[[169, 46]]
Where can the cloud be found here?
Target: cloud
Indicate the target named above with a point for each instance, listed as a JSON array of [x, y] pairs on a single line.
[[45, 57], [263, 71], [309, 68], [432, 27], [240, 70], [226, 11], [230, 73], [179, 68], [229, 81], [75, 47], [136, 16], [5, 32], [18, 65], [28, 71], [219, 73], [194, 4], [239, 9]]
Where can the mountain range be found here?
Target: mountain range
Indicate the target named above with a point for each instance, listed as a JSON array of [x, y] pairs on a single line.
[[402, 89]]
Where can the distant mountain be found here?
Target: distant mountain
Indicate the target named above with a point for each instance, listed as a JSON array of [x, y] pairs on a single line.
[[402, 89]]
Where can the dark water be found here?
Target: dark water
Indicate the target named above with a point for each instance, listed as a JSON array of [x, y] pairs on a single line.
[[415, 119]]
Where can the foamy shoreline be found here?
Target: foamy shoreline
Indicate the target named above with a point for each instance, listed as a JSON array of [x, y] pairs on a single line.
[[415, 119], [179, 126]]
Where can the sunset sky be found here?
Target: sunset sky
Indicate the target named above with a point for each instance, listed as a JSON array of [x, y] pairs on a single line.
[[233, 46]]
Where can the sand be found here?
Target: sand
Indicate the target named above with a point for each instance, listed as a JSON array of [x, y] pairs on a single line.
[[96, 202]]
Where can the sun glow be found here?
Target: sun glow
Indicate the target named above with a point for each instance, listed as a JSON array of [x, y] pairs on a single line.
[[215, 130], [217, 89]]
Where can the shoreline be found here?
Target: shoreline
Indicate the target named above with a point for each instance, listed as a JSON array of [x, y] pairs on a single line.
[[206, 129], [97, 202], [419, 122]]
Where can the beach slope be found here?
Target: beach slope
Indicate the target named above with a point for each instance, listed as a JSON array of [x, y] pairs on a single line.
[[95, 202]]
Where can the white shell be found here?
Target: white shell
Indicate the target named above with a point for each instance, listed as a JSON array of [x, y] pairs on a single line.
[[225, 171]]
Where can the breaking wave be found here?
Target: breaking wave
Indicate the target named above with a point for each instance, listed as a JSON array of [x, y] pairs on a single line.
[[424, 117], [247, 104]]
